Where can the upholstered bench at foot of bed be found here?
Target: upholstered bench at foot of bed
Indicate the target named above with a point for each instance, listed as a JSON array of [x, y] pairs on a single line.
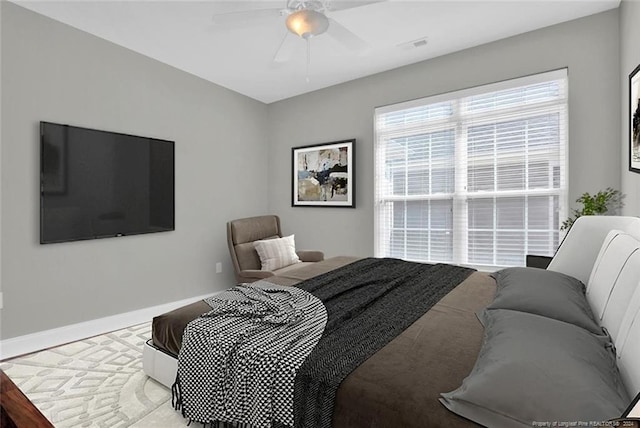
[[160, 353]]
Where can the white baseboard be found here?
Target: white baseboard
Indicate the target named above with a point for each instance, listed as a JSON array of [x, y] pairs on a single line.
[[29, 343]]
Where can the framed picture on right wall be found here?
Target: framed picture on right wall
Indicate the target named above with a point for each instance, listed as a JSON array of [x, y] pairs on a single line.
[[634, 120]]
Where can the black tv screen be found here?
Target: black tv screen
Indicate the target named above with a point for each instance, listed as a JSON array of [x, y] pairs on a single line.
[[98, 184]]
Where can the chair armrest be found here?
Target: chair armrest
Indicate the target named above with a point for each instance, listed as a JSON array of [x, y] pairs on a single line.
[[250, 275], [310, 255]]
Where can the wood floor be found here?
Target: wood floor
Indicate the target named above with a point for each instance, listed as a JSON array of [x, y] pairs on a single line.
[[16, 411]]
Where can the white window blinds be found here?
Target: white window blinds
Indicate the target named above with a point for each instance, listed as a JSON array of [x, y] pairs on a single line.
[[475, 177]]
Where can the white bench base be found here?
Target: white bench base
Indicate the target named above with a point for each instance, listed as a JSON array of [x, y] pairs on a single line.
[[159, 365]]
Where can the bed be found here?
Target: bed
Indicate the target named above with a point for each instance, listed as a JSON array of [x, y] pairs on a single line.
[[402, 383]]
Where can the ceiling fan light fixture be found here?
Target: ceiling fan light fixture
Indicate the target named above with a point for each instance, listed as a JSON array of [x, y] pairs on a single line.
[[307, 23]]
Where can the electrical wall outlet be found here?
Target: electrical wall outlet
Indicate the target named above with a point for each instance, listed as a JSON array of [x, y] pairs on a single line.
[[219, 267], [1, 300]]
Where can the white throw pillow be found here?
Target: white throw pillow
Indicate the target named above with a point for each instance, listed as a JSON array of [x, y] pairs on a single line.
[[277, 253]]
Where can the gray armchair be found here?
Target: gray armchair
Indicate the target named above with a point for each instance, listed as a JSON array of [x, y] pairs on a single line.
[[243, 232]]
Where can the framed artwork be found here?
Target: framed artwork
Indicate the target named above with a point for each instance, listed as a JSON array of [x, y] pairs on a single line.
[[634, 120], [323, 175]]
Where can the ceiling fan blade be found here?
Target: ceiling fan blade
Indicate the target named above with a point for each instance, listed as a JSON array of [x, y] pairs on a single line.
[[346, 37], [244, 17], [335, 5], [287, 48]]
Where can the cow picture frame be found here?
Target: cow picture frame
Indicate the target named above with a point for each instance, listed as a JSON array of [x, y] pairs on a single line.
[[323, 175], [634, 120]]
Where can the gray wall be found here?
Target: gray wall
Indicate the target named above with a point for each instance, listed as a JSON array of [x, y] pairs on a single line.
[[225, 168], [1, 295], [55, 73], [588, 47], [629, 60]]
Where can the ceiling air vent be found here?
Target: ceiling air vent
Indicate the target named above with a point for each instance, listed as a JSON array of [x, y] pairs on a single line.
[[418, 43]]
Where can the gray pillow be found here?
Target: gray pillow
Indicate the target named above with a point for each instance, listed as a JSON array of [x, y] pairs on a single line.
[[532, 368], [543, 292]]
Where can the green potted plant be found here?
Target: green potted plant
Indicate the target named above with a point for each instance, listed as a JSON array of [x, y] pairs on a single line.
[[608, 200]]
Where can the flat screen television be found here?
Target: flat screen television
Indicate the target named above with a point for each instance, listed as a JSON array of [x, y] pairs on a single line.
[[98, 184]]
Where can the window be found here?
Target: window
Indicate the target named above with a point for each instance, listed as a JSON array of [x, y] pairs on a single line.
[[475, 177]]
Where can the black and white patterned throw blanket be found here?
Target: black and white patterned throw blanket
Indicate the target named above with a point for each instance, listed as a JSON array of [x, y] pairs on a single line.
[[238, 362], [368, 303]]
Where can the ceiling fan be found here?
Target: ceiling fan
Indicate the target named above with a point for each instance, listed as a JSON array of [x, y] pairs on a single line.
[[305, 19]]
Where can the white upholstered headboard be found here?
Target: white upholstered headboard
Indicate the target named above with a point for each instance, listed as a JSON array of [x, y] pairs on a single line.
[[604, 253], [579, 250]]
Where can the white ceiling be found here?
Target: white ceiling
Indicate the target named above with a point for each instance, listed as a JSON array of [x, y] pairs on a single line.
[[182, 33]]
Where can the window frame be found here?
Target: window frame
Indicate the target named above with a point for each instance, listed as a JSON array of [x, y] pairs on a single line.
[[461, 121]]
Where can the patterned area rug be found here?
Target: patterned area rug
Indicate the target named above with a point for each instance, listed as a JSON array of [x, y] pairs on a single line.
[[96, 382]]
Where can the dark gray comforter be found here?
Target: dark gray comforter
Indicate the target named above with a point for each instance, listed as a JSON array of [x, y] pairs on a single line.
[[369, 303]]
